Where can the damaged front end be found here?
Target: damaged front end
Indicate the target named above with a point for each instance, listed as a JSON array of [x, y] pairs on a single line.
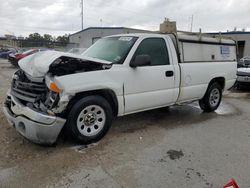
[[36, 93], [33, 92], [26, 109], [35, 105]]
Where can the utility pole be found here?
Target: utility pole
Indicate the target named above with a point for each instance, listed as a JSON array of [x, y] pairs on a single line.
[[82, 13], [101, 22], [192, 21]]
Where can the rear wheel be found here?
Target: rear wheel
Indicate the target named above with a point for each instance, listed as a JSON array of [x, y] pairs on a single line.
[[212, 99], [90, 119]]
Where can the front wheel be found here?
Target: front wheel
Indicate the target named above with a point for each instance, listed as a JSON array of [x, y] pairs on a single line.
[[212, 99], [90, 119]]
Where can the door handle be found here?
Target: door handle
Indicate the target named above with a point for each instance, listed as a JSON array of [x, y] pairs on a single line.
[[169, 73]]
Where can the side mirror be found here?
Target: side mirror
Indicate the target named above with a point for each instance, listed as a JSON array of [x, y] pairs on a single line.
[[140, 60]]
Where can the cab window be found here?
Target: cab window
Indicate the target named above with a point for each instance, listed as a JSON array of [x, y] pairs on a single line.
[[157, 50]]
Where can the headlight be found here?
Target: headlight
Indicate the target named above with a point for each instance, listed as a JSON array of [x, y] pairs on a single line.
[[53, 87]]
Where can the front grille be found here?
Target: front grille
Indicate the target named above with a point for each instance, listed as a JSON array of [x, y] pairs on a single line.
[[27, 90]]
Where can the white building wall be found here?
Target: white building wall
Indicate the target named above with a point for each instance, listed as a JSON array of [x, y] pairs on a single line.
[[239, 36], [242, 37]]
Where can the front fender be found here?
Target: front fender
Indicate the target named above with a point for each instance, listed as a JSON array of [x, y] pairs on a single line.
[[87, 81], [90, 81]]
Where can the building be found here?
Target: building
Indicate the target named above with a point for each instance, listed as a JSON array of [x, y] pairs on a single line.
[[168, 26], [10, 37], [89, 36], [20, 38], [242, 38]]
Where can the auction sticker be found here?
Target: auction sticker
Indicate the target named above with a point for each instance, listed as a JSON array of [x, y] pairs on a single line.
[[125, 38]]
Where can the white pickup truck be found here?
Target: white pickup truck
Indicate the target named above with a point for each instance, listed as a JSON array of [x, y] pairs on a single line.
[[116, 76]]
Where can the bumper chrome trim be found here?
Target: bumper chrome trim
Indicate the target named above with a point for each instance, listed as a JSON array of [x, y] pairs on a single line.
[[35, 126], [19, 109]]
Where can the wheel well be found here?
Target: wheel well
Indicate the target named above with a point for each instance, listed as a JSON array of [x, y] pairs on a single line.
[[108, 94], [219, 80]]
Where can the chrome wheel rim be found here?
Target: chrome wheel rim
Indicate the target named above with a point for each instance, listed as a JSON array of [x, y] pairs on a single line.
[[214, 97], [91, 120]]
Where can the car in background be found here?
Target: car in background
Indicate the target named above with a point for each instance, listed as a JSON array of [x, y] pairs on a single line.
[[244, 62], [15, 57], [243, 76], [5, 52], [77, 51]]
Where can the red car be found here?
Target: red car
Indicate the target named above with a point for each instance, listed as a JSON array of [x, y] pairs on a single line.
[[14, 58]]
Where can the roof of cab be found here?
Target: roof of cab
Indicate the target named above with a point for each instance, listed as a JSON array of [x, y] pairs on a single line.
[[181, 36], [138, 35]]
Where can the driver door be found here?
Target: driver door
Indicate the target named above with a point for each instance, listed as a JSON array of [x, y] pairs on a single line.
[[152, 86]]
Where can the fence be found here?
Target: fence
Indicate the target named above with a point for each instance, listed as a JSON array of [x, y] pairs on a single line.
[[19, 43]]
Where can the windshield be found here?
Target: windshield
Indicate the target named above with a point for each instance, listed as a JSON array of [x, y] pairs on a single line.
[[77, 50], [113, 49]]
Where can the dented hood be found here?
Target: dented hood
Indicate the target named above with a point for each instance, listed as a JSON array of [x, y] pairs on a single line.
[[37, 65]]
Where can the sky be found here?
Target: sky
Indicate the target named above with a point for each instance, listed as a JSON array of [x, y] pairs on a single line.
[[58, 17]]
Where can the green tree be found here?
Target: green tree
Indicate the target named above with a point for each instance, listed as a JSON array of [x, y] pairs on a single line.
[[47, 37], [35, 37], [46, 40], [64, 40]]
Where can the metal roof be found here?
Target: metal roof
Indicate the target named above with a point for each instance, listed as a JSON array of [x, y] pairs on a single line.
[[232, 33], [106, 28]]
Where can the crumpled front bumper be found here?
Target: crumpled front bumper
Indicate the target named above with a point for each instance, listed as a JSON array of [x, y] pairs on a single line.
[[35, 126]]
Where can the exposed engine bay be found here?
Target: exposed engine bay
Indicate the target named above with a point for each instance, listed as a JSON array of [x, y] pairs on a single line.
[[67, 65]]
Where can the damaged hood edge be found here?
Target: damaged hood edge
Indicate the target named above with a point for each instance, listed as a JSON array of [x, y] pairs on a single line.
[[37, 65]]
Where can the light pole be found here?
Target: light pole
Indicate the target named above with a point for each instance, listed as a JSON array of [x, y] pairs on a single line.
[[192, 22], [82, 13]]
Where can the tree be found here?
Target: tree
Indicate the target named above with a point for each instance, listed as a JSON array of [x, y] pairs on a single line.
[[64, 40], [47, 38], [35, 37]]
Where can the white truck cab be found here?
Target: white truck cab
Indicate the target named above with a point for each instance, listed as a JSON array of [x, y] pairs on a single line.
[[116, 76]]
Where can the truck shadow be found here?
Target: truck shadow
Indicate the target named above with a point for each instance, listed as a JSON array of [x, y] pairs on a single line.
[[168, 118], [183, 115], [241, 88]]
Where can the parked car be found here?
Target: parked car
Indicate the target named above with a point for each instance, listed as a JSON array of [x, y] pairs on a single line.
[[244, 62], [243, 76], [4, 53], [77, 51], [15, 57], [116, 76]]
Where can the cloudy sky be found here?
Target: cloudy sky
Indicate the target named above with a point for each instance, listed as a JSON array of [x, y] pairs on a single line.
[[56, 17]]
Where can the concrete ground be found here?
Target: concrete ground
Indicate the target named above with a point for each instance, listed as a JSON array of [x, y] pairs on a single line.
[[182, 147]]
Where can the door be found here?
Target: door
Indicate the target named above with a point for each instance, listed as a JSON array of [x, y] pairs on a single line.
[[150, 86]]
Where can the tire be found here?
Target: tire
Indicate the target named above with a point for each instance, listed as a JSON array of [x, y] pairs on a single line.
[[89, 119], [212, 99]]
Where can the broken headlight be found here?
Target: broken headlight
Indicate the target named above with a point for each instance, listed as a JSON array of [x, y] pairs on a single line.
[[52, 100]]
